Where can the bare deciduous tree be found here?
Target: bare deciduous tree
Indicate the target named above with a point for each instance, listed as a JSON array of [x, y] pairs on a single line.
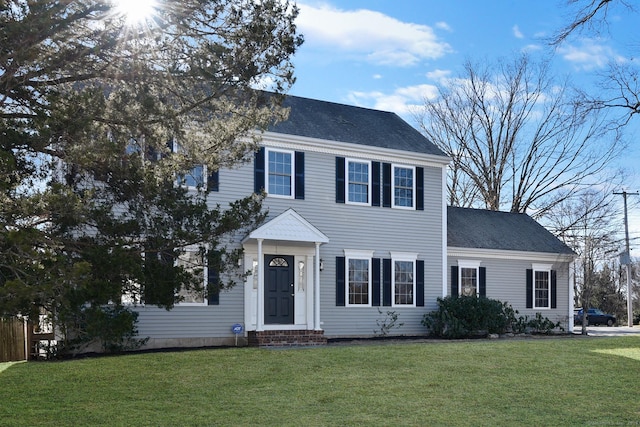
[[586, 224], [519, 139], [620, 82]]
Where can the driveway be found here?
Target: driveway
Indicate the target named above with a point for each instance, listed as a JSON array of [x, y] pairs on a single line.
[[605, 331]]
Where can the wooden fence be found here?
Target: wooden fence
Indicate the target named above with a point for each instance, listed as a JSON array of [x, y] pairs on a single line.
[[12, 339]]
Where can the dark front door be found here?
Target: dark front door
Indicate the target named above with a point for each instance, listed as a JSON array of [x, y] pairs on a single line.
[[278, 289]]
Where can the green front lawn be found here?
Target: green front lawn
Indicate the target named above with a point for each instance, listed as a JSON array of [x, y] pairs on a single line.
[[554, 382]]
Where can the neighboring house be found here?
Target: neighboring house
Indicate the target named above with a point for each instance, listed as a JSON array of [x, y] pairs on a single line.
[[357, 230]]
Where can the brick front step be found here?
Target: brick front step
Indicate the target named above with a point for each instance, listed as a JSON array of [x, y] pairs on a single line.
[[283, 338]]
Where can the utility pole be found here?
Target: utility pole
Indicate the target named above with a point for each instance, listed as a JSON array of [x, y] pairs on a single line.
[[627, 258]]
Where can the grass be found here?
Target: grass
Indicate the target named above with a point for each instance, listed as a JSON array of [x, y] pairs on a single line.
[[570, 381]]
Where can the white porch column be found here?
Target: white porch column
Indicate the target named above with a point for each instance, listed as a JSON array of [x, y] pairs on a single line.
[[260, 296], [316, 291]]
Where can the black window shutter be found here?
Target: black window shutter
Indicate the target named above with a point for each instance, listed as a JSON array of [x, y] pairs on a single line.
[[482, 281], [375, 183], [299, 165], [170, 145], [340, 285], [339, 179], [554, 290], [213, 181], [420, 189], [213, 278], [259, 170], [454, 280], [386, 282], [529, 298], [420, 283], [386, 185], [375, 282], [153, 155]]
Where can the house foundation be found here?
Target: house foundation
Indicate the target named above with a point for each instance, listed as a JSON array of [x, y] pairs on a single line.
[[286, 338]]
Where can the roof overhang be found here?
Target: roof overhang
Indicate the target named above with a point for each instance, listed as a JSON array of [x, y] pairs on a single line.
[[325, 146], [506, 254]]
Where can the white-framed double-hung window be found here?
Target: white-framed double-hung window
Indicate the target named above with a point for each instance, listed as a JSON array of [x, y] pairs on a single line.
[[541, 286], [404, 191], [468, 278], [280, 169], [358, 278], [403, 274], [192, 262], [194, 178], [358, 182]]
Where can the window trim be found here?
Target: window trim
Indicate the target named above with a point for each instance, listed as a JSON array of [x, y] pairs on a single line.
[[355, 254], [180, 177], [205, 275], [408, 257], [542, 268], [393, 186], [347, 161], [470, 264], [292, 174]]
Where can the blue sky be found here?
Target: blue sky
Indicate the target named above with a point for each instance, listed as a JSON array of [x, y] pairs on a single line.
[[388, 55]]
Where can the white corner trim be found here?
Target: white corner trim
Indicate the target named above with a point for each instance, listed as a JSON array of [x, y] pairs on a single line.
[[445, 244]]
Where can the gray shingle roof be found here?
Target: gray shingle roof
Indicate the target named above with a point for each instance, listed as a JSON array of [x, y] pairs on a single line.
[[345, 123], [483, 229]]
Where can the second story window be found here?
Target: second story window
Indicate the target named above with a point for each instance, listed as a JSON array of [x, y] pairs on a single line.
[[358, 182], [403, 187], [280, 173], [193, 178]]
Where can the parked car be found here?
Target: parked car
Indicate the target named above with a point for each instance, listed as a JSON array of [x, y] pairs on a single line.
[[595, 317]]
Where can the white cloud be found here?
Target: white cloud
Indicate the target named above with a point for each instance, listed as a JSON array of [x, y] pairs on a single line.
[[402, 101], [439, 75], [589, 55], [517, 33], [531, 48], [443, 26], [368, 35], [377, 76]]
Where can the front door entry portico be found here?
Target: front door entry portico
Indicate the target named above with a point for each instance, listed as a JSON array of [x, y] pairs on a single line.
[[278, 289]]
